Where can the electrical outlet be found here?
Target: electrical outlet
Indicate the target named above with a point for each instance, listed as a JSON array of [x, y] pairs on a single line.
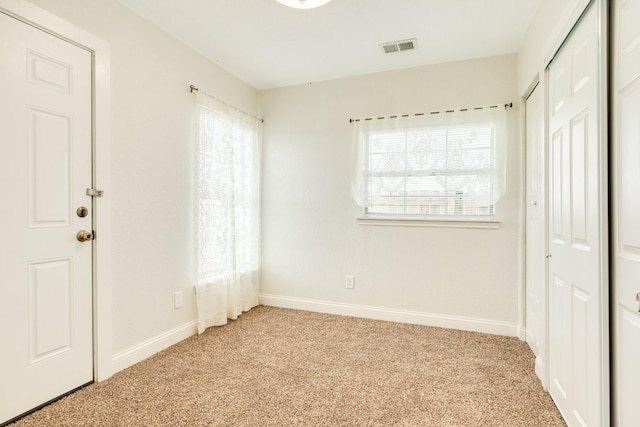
[[349, 282], [177, 299]]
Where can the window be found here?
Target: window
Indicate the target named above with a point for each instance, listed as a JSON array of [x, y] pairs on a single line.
[[430, 168]]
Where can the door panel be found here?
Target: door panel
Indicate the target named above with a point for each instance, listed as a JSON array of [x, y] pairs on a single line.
[[581, 329], [579, 196], [577, 301], [627, 39], [48, 72], [557, 187], [45, 169], [49, 308], [559, 338], [49, 169], [626, 209], [628, 156], [628, 369], [580, 72]]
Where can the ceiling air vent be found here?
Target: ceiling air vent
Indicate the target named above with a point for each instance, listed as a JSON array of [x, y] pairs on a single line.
[[399, 46]]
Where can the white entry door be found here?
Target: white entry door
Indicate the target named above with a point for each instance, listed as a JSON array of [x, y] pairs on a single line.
[[578, 288], [45, 169], [626, 210], [536, 279]]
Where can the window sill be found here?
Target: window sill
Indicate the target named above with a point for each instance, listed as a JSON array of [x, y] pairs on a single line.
[[437, 223]]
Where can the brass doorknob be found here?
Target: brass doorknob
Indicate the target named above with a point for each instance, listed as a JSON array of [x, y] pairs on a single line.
[[82, 211], [84, 236]]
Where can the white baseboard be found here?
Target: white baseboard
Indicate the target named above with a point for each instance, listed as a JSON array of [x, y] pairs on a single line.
[[148, 348], [522, 333], [378, 313]]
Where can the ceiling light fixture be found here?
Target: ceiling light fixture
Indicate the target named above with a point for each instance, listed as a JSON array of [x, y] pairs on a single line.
[[303, 4]]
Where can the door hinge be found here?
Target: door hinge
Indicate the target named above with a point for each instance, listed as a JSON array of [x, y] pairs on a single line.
[[94, 193]]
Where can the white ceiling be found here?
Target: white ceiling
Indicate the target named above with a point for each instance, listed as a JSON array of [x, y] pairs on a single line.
[[270, 45]]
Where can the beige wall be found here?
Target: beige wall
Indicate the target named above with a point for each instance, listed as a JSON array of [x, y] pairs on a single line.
[[311, 239], [310, 236], [152, 163], [543, 31]]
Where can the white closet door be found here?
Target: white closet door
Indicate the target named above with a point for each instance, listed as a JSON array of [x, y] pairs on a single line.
[[535, 232], [626, 210], [578, 320]]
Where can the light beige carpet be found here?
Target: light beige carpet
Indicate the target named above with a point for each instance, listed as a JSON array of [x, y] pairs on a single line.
[[277, 367]]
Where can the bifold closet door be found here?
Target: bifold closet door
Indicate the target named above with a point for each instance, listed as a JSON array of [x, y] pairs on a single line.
[[535, 232], [626, 210], [577, 232]]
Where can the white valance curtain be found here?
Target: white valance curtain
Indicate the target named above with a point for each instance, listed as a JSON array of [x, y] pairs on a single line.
[[446, 164], [227, 203]]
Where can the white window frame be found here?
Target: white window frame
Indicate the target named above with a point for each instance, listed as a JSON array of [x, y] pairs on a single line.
[[492, 118]]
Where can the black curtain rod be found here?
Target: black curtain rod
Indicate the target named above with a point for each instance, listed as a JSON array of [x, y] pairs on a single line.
[[507, 105], [192, 89]]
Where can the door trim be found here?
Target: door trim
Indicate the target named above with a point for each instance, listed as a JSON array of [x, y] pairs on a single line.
[[100, 50]]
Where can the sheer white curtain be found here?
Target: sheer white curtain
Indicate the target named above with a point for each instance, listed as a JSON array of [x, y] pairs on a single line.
[[227, 203], [445, 164]]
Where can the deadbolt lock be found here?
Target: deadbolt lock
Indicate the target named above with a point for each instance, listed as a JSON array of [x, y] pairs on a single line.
[[82, 211], [84, 236]]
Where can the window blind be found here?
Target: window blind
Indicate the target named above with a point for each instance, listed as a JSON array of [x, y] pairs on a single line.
[[430, 170]]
